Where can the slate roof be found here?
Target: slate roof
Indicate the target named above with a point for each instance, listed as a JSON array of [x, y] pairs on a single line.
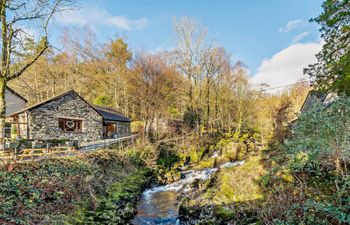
[[108, 114], [50, 100], [15, 93], [111, 115]]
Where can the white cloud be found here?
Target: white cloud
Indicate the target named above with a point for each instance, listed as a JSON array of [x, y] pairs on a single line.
[[291, 25], [27, 32], [300, 37], [286, 67], [164, 47], [124, 23], [99, 17]]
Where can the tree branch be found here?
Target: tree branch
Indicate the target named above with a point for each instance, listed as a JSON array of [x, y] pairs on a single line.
[[41, 52], [21, 71]]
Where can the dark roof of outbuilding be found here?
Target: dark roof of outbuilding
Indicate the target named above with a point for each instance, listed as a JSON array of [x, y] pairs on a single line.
[[109, 114]]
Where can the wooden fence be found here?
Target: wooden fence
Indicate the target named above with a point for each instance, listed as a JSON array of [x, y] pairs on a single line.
[[31, 154], [11, 156]]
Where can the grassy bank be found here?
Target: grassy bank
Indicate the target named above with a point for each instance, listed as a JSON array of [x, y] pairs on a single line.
[[304, 180], [271, 189], [234, 195], [58, 190]]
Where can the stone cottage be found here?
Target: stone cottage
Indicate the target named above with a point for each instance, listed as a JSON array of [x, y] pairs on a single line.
[[69, 116]]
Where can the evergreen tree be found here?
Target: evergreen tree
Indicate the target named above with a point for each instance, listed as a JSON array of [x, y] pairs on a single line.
[[332, 70]]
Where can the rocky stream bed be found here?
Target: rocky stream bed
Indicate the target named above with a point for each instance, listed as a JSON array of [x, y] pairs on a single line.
[[160, 205]]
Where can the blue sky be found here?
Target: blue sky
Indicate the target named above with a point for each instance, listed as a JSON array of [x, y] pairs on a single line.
[[264, 34]]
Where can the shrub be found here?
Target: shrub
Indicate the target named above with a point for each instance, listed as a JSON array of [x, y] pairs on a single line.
[[45, 191], [167, 156], [192, 118], [322, 134]]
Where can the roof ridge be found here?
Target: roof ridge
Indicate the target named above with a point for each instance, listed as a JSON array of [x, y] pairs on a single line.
[[102, 111], [52, 99]]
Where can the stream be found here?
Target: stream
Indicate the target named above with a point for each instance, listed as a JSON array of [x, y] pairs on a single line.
[[159, 205]]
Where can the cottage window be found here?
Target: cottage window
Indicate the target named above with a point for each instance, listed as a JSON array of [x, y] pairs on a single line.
[[70, 125]]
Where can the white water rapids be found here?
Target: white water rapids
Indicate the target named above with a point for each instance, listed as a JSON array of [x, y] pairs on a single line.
[[159, 205]]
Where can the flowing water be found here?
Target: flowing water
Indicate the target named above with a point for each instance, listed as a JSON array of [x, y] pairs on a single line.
[[159, 205]]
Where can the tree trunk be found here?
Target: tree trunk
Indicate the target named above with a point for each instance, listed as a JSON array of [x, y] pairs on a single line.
[[4, 72], [2, 113], [208, 105], [190, 93], [116, 92], [217, 109], [240, 118], [126, 101]]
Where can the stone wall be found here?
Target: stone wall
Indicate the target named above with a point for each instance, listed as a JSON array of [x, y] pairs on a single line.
[[43, 120]]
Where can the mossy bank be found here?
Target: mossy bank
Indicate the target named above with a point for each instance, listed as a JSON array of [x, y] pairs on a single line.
[[87, 188]]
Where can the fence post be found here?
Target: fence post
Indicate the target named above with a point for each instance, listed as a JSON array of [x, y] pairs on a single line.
[[15, 156]]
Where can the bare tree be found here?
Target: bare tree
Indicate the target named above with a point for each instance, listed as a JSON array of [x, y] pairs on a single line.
[[216, 63], [15, 16], [156, 83], [192, 46], [241, 91]]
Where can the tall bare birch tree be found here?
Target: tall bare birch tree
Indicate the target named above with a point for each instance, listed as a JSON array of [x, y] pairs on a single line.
[[191, 48]]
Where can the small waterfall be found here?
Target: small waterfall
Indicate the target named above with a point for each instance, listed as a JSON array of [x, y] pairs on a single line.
[[159, 205]]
